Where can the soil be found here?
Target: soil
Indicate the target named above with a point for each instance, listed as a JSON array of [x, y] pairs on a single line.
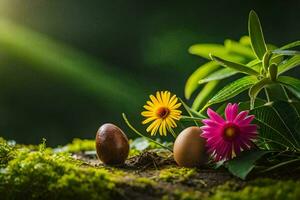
[[149, 164]]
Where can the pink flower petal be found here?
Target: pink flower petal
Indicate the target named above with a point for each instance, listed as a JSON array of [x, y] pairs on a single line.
[[246, 120], [240, 116], [210, 123], [231, 111], [215, 116], [220, 147]]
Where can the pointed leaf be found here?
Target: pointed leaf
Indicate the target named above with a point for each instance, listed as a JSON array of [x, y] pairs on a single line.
[[289, 64], [245, 40], [238, 48], [242, 165], [286, 52], [239, 67], [277, 125], [203, 71], [232, 89], [204, 94], [291, 45], [256, 88], [204, 50], [256, 35], [191, 112], [218, 75], [290, 82]]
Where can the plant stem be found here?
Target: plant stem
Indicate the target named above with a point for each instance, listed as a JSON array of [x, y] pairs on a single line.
[[173, 133], [188, 111], [281, 164], [285, 93], [267, 95], [140, 134]]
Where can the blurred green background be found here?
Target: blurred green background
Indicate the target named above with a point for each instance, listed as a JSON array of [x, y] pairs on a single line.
[[68, 66]]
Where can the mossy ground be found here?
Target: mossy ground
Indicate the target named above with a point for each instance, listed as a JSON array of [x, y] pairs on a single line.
[[44, 173]]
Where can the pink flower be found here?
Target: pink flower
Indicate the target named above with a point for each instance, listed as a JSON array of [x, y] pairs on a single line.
[[227, 138]]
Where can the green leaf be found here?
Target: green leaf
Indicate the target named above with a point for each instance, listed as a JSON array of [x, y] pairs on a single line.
[[291, 45], [243, 164], [290, 82], [232, 89], [189, 119], [191, 112], [273, 71], [245, 105], [266, 60], [256, 88], [256, 35], [236, 66], [276, 59], [238, 48], [286, 52], [289, 64], [203, 71], [218, 75], [245, 40], [277, 125], [204, 50], [204, 94], [293, 91], [253, 63]]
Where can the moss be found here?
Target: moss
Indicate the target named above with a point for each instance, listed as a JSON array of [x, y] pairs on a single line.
[[40, 173], [144, 182], [80, 145], [7, 152], [43, 174], [260, 189], [176, 174]]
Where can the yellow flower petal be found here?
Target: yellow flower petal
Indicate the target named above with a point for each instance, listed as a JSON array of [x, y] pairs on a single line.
[[150, 104], [162, 101], [159, 98], [148, 114], [154, 100], [176, 106], [148, 108], [146, 121]]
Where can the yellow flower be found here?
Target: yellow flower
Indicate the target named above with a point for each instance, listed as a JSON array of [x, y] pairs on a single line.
[[162, 112]]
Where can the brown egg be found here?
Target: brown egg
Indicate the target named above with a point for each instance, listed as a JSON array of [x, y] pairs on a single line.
[[111, 144], [189, 148]]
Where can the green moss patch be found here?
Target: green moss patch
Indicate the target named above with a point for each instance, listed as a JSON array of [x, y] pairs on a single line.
[[41, 173], [80, 145], [176, 174]]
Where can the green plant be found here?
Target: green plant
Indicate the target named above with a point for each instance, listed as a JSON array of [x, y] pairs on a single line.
[[260, 64]]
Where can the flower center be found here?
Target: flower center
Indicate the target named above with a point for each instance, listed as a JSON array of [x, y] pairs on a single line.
[[230, 132], [162, 112]]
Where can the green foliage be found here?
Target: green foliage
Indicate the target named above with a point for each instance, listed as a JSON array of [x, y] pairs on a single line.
[[261, 66], [278, 125], [256, 35], [7, 152], [261, 63], [242, 165], [235, 66], [201, 72], [232, 90], [80, 145]]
